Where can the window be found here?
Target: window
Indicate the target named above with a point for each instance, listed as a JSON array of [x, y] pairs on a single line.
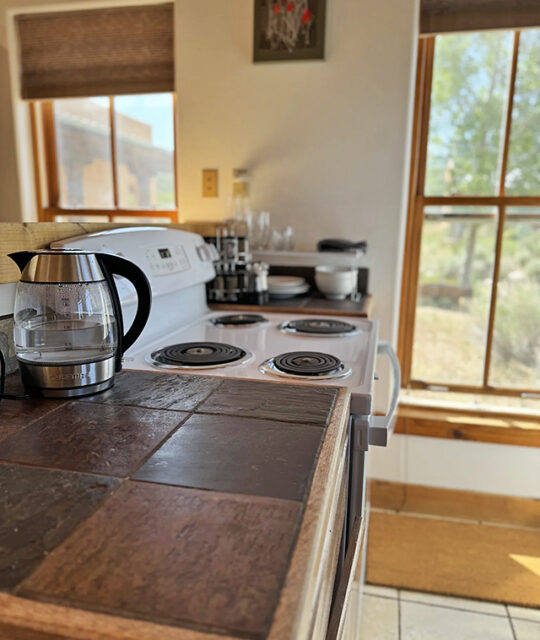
[[470, 314], [107, 158]]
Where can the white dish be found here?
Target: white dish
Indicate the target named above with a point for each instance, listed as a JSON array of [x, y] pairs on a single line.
[[290, 293], [280, 283]]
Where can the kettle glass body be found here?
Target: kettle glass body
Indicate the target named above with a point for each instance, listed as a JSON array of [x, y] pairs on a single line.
[[69, 323], [68, 326]]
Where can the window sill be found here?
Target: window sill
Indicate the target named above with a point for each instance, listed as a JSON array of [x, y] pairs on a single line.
[[473, 425]]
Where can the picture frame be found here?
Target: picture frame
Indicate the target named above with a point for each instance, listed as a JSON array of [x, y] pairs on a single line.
[[289, 30]]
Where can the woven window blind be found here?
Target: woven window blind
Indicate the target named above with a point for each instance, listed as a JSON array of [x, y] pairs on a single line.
[[96, 52], [444, 16]]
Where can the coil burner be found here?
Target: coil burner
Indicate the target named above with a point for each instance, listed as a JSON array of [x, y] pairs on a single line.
[[306, 365], [235, 320], [198, 355], [319, 327]]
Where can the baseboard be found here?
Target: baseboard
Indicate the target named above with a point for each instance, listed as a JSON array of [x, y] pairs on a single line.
[[451, 503]]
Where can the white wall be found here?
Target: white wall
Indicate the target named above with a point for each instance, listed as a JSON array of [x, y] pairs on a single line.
[[10, 205], [454, 464], [326, 141]]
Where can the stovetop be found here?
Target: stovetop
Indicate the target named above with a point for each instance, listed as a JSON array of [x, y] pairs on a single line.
[[344, 360], [178, 264]]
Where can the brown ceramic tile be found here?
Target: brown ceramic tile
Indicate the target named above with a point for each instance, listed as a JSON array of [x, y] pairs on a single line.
[[157, 390], [18, 414], [289, 403], [240, 455], [38, 510], [175, 555], [92, 438], [15, 415]]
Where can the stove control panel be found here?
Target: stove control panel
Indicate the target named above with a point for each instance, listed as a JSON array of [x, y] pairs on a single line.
[[159, 252], [164, 260]]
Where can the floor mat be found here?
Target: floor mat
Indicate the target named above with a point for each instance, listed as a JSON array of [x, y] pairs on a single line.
[[483, 561]]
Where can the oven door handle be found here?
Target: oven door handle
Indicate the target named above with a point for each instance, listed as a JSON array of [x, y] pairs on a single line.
[[381, 427]]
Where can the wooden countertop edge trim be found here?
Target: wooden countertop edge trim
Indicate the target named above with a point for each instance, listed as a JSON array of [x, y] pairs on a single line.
[[296, 607], [474, 426], [78, 624]]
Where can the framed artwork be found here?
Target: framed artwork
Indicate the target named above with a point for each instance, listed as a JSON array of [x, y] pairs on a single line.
[[289, 30]]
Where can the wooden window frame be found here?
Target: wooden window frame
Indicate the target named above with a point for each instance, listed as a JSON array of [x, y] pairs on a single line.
[[415, 217], [48, 212]]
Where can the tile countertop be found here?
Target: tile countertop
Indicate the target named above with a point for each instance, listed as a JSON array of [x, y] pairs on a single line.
[[170, 506]]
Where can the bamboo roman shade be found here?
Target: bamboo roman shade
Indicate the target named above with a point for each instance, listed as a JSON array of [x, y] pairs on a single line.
[[96, 52], [444, 16]]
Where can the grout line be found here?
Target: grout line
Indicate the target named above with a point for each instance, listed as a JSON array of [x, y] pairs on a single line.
[[454, 608], [399, 613], [208, 396], [379, 595], [44, 467], [511, 622], [282, 420], [160, 444]]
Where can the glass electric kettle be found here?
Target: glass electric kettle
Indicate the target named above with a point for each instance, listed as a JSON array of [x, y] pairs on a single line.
[[68, 326]]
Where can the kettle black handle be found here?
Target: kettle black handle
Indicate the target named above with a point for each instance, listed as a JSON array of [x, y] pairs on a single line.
[[110, 265], [21, 258]]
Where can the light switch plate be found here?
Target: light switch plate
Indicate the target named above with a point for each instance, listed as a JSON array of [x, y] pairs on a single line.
[[210, 183]]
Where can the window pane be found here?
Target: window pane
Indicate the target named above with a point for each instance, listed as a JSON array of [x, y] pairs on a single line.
[[516, 337], [455, 211], [145, 151], [141, 220], [468, 101], [456, 270], [523, 211], [523, 174], [83, 148], [81, 218]]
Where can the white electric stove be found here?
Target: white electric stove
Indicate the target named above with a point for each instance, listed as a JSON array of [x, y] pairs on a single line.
[[184, 336]]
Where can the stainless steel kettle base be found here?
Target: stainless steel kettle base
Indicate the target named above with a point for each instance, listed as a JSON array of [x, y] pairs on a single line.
[[73, 393], [68, 381]]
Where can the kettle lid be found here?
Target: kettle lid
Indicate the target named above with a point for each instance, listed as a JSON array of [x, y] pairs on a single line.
[[58, 266]]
